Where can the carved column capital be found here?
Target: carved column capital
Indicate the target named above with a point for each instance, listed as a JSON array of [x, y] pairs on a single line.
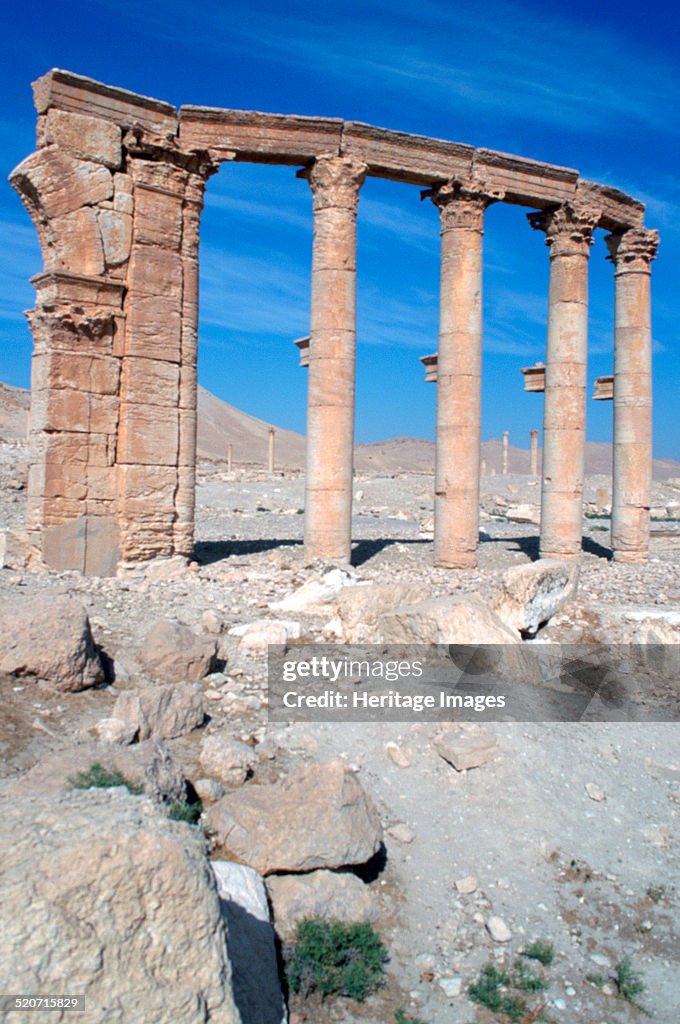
[[568, 228], [633, 250], [462, 202], [335, 181]]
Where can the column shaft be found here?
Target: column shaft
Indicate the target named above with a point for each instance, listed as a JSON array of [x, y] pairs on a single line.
[[632, 253], [569, 236], [459, 371], [335, 182]]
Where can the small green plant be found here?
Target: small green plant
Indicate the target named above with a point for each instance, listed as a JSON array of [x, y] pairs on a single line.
[[526, 979], [182, 810], [487, 991], [657, 893], [597, 980], [402, 1017], [544, 952], [333, 958], [628, 983], [98, 777]]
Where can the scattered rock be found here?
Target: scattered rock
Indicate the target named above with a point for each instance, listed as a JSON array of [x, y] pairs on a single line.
[[466, 886], [318, 817], [531, 594], [523, 514], [327, 894], [256, 636], [594, 792], [402, 833], [226, 759], [115, 730], [208, 790], [161, 712], [451, 987], [112, 882], [48, 637], [397, 755], [359, 608], [173, 653], [498, 929], [314, 595], [16, 550], [465, 749]]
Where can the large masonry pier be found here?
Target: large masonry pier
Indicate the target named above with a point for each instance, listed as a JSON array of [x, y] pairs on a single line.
[[115, 190]]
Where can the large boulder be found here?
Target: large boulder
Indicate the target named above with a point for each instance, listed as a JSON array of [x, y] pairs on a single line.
[[314, 596], [48, 637], [445, 620], [252, 943], [148, 764], [107, 898], [173, 653], [341, 896], [318, 817], [226, 759], [531, 594], [161, 712], [359, 608]]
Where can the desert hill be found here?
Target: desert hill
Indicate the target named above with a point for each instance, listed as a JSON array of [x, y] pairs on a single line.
[[221, 425]]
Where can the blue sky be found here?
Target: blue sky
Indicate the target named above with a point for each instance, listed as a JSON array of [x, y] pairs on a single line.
[[590, 86]]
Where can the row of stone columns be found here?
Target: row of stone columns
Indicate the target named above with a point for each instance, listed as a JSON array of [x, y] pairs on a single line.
[[335, 182]]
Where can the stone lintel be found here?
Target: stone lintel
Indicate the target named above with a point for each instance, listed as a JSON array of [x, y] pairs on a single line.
[[619, 211], [59, 286], [400, 156], [603, 389], [67, 91], [534, 377], [259, 137], [430, 364], [303, 346], [525, 182]]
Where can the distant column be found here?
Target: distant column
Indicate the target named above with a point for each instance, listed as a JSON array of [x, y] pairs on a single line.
[[270, 453], [533, 434], [505, 453], [459, 368], [569, 235], [335, 182], [230, 452], [632, 253]]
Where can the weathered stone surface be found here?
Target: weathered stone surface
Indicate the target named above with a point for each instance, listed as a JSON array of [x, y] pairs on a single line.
[[150, 764], [60, 182], [48, 638], [16, 550], [531, 594], [115, 730], [319, 817], [162, 712], [226, 759], [78, 242], [445, 620], [359, 608], [465, 748], [256, 636], [328, 894], [173, 653], [115, 229], [252, 944], [313, 595], [112, 882], [89, 138]]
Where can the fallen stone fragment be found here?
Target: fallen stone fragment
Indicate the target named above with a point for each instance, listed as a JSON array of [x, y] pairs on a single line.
[[359, 608], [326, 894], [523, 514], [466, 886], [531, 594], [451, 987], [208, 790], [226, 759], [256, 636], [252, 943], [161, 712], [48, 637], [173, 653], [16, 551], [464, 750], [318, 817], [498, 929], [115, 730], [397, 755], [402, 833], [112, 881], [313, 595], [594, 792]]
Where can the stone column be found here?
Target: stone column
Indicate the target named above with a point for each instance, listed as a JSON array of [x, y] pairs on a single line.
[[230, 452], [335, 182], [505, 452], [270, 449], [569, 231], [533, 434], [632, 253], [459, 367]]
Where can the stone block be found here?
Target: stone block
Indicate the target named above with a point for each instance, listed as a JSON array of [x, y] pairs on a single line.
[[154, 271], [60, 183], [77, 242], [147, 435], [64, 481], [116, 235], [158, 219], [101, 483], [280, 138], [152, 381], [62, 410], [89, 138], [103, 414], [154, 327]]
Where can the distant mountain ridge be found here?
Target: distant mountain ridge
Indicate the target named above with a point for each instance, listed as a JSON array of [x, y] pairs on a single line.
[[221, 425]]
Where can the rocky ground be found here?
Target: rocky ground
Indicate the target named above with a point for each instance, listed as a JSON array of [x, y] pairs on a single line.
[[568, 833]]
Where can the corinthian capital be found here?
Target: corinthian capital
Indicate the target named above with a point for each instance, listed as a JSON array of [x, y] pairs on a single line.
[[335, 181], [568, 228], [462, 202], [633, 250]]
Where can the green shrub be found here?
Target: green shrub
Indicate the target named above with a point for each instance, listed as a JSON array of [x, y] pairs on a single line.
[[333, 958], [526, 979], [402, 1017], [98, 777], [486, 991], [182, 810], [628, 983], [544, 952]]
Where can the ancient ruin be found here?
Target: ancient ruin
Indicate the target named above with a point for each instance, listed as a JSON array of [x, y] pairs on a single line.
[[115, 190]]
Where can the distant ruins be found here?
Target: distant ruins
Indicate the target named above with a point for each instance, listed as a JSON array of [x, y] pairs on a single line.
[[115, 190]]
